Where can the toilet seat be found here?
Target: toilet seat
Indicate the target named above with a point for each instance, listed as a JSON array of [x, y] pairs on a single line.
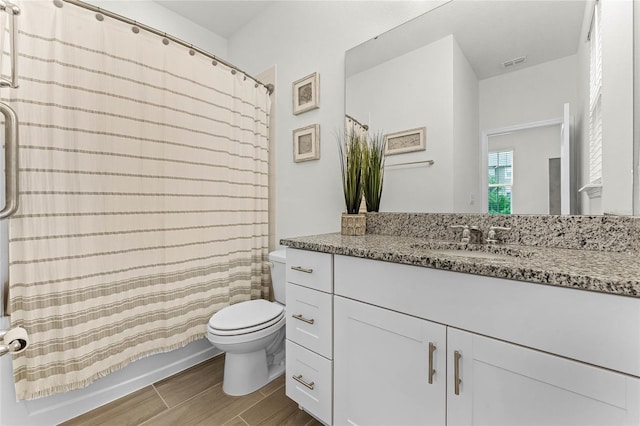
[[246, 317]]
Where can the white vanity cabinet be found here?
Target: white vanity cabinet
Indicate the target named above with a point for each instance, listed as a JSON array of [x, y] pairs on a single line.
[[309, 327], [523, 353], [506, 384], [389, 368]]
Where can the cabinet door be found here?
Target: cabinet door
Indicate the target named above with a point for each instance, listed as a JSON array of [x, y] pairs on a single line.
[[505, 384], [381, 367]]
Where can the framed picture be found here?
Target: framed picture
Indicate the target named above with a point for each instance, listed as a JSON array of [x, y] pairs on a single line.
[[306, 143], [406, 141], [306, 93]]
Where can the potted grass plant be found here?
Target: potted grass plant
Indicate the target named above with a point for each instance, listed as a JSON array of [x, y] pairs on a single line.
[[351, 148], [373, 156]]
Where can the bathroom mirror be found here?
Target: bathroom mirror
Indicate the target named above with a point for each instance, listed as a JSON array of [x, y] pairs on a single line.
[[471, 68]]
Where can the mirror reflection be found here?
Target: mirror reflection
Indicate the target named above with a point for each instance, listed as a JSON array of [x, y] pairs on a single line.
[[487, 77]]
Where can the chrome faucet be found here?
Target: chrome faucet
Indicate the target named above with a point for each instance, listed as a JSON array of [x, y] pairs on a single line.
[[470, 234], [492, 237], [476, 235]]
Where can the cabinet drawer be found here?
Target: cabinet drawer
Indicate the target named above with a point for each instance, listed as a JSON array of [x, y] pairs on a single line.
[[310, 269], [310, 319], [312, 389]]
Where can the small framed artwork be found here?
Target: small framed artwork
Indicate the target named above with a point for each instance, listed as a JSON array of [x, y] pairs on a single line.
[[306, 93], [306, 143], [406, 141]]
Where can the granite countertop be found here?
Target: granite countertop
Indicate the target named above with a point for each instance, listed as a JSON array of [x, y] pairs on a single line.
[[600, 271]]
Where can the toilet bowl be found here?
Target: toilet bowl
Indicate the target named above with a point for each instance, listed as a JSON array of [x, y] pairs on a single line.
[[252, 335]]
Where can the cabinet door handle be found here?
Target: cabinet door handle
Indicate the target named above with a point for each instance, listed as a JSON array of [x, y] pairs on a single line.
[[298, 379], [456, 372], [301, 269], [303, 319], [432, 349]]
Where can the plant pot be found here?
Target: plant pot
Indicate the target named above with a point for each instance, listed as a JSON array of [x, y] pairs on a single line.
[[354, 224]]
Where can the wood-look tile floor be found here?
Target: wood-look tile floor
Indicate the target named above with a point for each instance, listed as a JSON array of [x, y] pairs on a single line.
[[195, 397]]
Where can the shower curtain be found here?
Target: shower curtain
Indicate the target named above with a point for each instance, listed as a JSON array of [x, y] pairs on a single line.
[[143, 199]]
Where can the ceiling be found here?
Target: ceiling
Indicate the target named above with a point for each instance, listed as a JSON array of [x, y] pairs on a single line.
[[221, 17], [489, 33]]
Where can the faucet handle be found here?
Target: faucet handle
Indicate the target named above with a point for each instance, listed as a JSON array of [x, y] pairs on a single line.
[[491, 237], [465, 232]]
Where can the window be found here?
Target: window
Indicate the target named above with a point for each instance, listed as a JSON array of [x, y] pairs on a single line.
[[500, 181], [595, 98]]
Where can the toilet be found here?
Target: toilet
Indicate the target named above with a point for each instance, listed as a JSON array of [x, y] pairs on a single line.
[[252, 334]]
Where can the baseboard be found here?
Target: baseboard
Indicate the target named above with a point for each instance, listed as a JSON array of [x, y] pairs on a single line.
[[59, 408]]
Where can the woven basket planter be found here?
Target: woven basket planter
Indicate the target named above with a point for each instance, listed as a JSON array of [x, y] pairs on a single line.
[[354, 224]]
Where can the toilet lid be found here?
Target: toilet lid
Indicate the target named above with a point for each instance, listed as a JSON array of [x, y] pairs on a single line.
[[246, 314]]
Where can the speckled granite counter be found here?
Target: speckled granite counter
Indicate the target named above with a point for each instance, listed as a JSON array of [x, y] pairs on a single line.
[[601, 271]]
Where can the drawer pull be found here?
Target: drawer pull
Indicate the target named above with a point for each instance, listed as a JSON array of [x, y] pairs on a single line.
[[303, 319], [301, 269], [432, 349], [456, 372], [298, 379]]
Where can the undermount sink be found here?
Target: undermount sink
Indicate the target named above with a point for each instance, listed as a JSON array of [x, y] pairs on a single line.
[[478, 251]]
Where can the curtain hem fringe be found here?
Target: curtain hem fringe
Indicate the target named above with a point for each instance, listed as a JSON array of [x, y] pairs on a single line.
[[103, 373]]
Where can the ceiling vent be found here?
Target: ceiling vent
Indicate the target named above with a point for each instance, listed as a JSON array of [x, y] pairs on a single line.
[[512, 62]]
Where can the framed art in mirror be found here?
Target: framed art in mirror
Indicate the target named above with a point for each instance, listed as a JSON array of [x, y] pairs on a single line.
[[306, 143], [306, 93], [406, 141]]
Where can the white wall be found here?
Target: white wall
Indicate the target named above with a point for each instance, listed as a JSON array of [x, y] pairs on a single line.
[[150, 13], [421, 82], [301, 38], [617, 107], [531, 94], [617, 110], [636, 113], [466, 131], [435, 87]]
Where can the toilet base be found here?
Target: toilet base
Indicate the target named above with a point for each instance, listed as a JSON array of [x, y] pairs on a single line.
[[276, 371], [246, 373]]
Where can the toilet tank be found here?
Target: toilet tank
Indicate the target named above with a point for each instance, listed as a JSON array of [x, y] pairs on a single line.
[[278, 259]]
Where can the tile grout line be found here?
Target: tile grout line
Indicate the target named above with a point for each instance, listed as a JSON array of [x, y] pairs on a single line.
[[263, 397], [236, 417], [193, 396], [153, 385], [273, 391], [257, 402], [178, 405]]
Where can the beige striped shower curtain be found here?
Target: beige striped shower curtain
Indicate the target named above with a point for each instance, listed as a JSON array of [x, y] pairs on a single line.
[[143, 202]]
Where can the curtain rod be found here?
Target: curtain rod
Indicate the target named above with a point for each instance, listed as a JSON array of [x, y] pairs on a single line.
[[270, 88], [364, 126]]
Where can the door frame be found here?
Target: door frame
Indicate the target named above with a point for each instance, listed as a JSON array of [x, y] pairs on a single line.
[[565, 156]]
